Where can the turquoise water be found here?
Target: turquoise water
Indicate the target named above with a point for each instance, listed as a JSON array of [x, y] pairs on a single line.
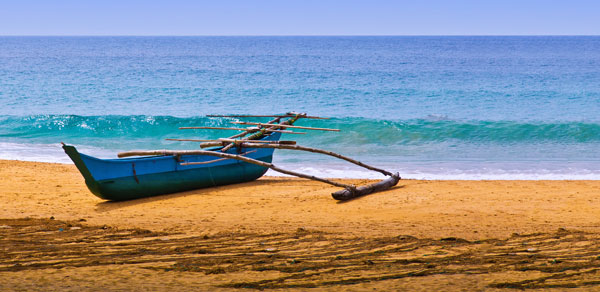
[[429, 107]]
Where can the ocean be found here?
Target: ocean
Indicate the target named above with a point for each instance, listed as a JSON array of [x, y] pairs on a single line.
[[478, 107]]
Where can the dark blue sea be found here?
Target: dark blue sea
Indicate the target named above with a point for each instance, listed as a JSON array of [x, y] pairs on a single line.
[[428, 107]]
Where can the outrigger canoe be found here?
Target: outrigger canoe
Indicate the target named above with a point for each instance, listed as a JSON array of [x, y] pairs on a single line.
[[229, 161], [133, 178]]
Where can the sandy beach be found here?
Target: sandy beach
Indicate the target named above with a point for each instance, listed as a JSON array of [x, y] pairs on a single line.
[[285, 233]]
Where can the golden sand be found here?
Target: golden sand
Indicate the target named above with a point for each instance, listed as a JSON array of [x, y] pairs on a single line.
[[283, 233]]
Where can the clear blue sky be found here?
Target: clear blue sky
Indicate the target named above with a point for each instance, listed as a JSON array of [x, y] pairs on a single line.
[[306, 17]]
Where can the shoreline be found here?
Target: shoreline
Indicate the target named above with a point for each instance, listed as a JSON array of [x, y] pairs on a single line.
[[422, 208], [287, 233], [445, 171]]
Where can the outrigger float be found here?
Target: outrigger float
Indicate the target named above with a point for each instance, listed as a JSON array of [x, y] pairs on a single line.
[[240, 158]]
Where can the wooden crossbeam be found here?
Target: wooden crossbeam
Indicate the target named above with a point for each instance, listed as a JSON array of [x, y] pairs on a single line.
[[250, 129], [215, 128], [244, 133], [226, 140], [267, 116], [285, 126]]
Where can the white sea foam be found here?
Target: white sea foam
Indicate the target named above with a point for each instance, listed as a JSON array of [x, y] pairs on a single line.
[[459, 170], [455, 170], [44, 152], [500, 175]]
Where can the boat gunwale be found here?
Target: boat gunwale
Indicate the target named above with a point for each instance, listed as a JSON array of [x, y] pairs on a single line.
[[133, 159]]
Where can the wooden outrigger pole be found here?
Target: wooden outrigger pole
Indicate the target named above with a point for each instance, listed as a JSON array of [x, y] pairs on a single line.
[[349, 191], [287, 126], [255, 134], [290, 146], [265, 127], [230, 156], [225, 140], [255, 129], [288, 115]]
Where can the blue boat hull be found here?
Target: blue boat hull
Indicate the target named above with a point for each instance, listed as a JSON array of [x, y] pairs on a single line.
[[133, 178]]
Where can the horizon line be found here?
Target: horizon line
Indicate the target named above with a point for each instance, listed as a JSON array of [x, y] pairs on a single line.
[[306, 35]]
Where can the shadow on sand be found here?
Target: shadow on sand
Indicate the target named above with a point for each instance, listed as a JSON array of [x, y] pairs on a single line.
[[107, 206], [371, 194]]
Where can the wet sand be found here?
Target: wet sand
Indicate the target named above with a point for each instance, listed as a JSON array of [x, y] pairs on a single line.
[[283, 233]]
